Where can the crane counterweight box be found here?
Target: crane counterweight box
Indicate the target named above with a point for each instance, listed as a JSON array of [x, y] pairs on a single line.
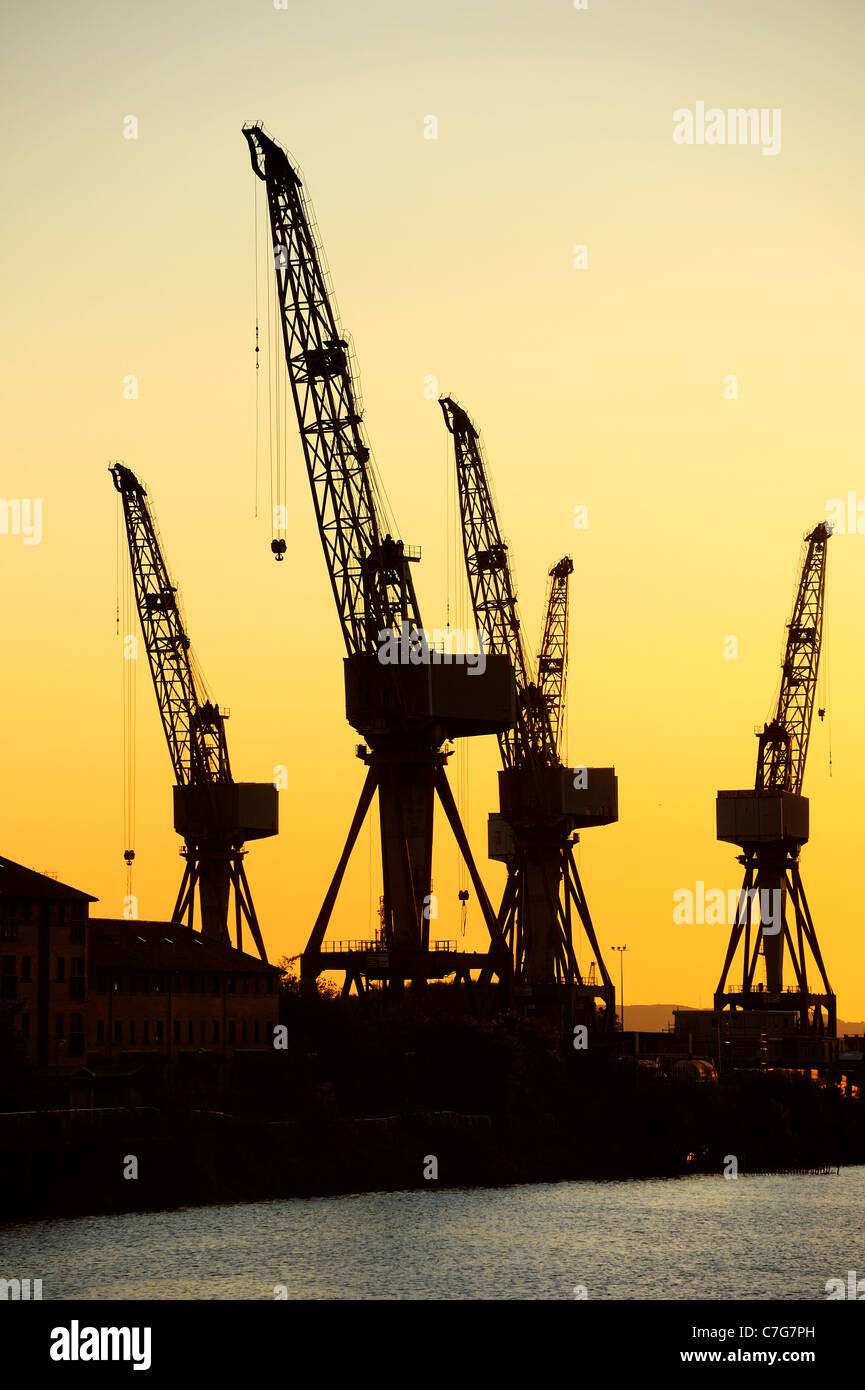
[[239, 810], [755, 817], [464, 699], [587, 796]]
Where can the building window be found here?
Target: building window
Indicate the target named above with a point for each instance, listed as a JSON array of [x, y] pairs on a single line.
[[146, 1030], [160, 1031], [189, 1033], [25, 969], [177, 1030], [118, 1031], [232, 1031], [25, 1025], [132, 1032], [203, 1037], [58, 1026], [76, 1035], [215, 1031], [270, 984], [76, 979], [243, 1030], [256, 1030], [61, 970], [8, 930], [100, 1030], [77, 933], [9, 979]]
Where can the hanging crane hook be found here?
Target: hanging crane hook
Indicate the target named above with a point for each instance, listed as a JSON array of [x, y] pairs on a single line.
[[278, 548]]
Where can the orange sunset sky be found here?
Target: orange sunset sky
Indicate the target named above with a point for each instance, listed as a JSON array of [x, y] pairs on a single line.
[[452, 258]]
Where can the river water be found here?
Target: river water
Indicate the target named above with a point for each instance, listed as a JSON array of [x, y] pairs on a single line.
[[679, 1238]]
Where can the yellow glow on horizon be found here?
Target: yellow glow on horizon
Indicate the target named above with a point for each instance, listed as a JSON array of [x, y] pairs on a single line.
[[451, 258]]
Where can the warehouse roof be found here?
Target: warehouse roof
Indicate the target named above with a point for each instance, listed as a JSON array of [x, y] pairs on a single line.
[[118, 942], [16, 881]]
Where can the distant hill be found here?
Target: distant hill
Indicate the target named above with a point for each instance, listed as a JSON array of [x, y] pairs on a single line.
[[651, 1018], [655, 1018]]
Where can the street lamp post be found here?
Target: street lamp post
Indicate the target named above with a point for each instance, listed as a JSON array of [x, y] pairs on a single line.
[[621, 950]]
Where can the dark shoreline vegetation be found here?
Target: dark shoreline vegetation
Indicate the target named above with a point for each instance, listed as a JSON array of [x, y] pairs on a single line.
[[360, 1103]]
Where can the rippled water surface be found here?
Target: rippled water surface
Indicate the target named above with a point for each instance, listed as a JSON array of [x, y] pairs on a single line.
[[701, 1237]]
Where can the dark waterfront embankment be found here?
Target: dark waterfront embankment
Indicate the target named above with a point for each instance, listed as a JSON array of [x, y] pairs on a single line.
[[359, 1104]]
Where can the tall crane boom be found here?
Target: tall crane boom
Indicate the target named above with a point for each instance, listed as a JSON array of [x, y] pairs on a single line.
[[784, 740], [194, 727], [369, 573], [553, 651], [493, 594], [214, 814]]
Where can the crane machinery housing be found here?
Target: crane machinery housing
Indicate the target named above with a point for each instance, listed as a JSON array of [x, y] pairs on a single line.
[[542, 803], [214, 814], [770, 824], [405, 708]]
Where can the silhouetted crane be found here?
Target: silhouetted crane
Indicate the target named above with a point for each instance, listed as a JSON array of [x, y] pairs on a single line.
[[214, 814], [770, 823], [542, 802], [400, 695]]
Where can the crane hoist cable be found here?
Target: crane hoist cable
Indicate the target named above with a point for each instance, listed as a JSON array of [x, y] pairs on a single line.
[[257, 345], [824, 710], [125, 618]]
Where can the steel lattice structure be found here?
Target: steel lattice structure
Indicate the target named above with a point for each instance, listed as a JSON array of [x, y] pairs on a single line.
[[493, 596], [371, 583], [553, 652], [771, 824], [784, 741], [541, 805], [407, 710], [194, 727], [214, 814]]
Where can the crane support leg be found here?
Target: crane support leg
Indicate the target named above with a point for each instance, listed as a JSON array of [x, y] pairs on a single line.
[[449, 806], [310, 966]]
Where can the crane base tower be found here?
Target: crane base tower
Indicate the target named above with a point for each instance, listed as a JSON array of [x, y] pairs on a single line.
[[544, 905], [771, 827], [406, 712]]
